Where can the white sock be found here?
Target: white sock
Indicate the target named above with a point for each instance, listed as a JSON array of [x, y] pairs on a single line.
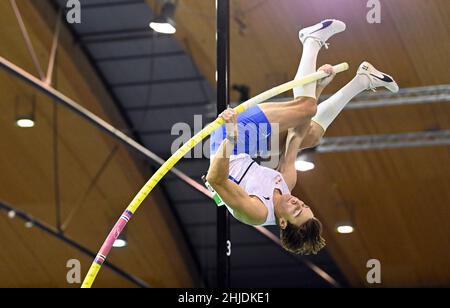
[[308, 65], [330, 109]]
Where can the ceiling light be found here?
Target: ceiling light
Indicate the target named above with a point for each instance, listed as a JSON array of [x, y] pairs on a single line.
[[25, 122], [165, 23], [303, 166], [25, 110], [29, 224], [121, 241], [345, 229], [163, 27], [305, 162]]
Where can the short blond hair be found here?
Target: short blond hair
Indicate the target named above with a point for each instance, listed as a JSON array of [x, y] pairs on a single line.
[[305, 239]]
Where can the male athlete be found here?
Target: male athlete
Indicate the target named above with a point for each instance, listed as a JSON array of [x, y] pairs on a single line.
[[261, 196]]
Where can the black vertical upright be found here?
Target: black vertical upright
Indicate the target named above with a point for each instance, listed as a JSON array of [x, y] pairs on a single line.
[[223, 99]]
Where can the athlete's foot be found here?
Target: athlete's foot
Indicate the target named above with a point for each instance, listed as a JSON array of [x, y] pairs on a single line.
[[322, 31], [376, 78]]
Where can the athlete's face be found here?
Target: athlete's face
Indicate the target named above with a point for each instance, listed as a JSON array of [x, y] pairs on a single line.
[[294, 211]]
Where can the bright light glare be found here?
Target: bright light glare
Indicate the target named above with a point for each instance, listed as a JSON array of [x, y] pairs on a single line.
[[29, 225], [165, 27], [119, 243], [25, 123], [303, 166], [345, 229]]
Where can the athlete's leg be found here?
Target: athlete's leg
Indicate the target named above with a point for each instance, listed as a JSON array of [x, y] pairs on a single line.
[[290, 114], [313, 39], [367, 78], [304, 106], [313, 136]]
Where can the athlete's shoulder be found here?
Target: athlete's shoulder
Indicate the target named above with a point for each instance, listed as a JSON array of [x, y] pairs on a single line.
[[255, 213]]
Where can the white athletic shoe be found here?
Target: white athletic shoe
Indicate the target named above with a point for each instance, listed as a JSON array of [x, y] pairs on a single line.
[[377, 79], [322, 31]]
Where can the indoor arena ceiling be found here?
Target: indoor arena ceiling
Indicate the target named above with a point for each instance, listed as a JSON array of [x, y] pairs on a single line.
[[144, 83]]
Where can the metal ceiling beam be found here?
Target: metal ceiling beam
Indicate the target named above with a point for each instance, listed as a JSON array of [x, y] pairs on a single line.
[[142, 56], [116, 32], [146, 36], [169, 106], [407, 96], [125, 38], [111, 3], [388, 141], [26, 37], [156, 82], [56, 234], [411, 91]]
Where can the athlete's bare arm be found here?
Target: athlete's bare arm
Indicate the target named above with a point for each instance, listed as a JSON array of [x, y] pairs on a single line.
[[286, 166], [247, 209]]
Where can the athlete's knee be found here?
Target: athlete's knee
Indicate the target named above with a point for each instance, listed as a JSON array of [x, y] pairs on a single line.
[[315, 141], [310, 142], [314, 136], [306, 106]]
